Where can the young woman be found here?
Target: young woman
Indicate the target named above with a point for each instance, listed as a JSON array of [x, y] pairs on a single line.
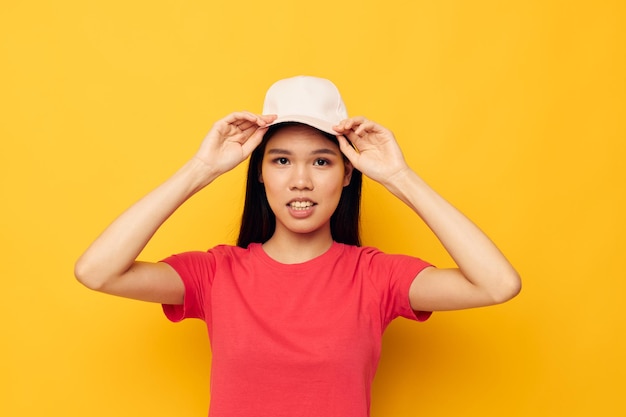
[[296, 310]]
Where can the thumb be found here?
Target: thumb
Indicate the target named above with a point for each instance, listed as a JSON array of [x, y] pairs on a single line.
[[253, 141], [348, 150]]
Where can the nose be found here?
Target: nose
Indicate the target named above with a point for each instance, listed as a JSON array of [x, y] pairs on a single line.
[[301, 179]]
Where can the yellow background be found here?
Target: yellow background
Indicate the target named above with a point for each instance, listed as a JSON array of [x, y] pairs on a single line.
[[514, 111]]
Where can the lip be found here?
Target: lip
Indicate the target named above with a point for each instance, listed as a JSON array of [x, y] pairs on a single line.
[[303, 212]]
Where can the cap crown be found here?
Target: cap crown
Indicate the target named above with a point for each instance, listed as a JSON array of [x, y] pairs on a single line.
[[310, 100]]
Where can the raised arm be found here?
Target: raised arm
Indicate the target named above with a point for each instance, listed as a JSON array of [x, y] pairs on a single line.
[[109, 264], [483, 277]]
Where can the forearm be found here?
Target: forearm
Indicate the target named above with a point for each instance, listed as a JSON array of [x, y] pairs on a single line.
[[116, 249], [477, 257]]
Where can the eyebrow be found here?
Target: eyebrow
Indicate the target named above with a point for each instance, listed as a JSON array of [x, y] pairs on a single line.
[[322, 151]]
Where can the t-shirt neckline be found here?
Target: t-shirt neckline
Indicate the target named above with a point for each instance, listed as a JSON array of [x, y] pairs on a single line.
[[335, 250]]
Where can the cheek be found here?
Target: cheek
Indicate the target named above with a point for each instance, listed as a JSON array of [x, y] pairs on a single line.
[[270, 181], [334, 187], [274, 190]]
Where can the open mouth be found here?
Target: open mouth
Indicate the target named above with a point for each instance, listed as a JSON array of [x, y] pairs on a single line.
[[301, 205]]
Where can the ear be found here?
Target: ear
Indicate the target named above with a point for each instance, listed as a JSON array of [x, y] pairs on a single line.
[[348, 168], [260, 177]]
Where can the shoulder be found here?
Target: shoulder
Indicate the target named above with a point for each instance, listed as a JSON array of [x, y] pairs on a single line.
[[372, 254], [378, 261], [235, 257], [212, 256], [363, 259], [230, 250], [360, 251]]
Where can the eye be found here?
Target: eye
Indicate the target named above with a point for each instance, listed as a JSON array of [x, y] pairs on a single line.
[[281, 161], [321, 162]]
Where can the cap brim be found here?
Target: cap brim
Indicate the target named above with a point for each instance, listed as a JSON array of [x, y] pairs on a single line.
[[322, 125]]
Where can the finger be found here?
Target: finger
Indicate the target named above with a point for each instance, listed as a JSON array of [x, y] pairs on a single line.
[[244, 120], [253, 141], [367, 126], [254, 121], [247, 125], [268, 118], [342, 126], [239, 117], [350, 123], [352, 138], [347, 149]]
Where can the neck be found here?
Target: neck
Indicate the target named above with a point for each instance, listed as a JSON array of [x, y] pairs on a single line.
[[297, 248]]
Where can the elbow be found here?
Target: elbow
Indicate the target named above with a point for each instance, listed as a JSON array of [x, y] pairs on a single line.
[[511, 286], [86, 276]]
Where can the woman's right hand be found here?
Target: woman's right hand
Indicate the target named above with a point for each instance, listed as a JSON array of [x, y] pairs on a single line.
[[232, 139], [110, 263]]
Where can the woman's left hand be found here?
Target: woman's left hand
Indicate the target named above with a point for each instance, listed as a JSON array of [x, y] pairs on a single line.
[[377, 153]]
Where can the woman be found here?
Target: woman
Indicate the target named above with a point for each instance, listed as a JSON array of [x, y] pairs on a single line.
[[296, 311]]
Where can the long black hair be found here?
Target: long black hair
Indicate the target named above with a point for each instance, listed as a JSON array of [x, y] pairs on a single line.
[[258, 221]]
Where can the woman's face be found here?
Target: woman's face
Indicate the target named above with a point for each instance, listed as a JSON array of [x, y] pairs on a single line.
[[304, 174]]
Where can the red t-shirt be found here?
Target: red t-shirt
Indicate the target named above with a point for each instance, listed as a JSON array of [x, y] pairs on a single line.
[[294, 340]]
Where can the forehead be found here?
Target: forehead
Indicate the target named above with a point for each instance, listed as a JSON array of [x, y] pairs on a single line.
[[300, 136]]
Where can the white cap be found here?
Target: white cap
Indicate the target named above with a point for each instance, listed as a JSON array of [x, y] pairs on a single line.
[[310, 100]]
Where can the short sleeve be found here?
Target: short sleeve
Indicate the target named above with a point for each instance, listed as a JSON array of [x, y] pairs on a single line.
[[400, 288], [393, 275], [196, 270]]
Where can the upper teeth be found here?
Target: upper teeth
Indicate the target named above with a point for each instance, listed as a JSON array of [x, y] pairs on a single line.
[[300, 204]]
